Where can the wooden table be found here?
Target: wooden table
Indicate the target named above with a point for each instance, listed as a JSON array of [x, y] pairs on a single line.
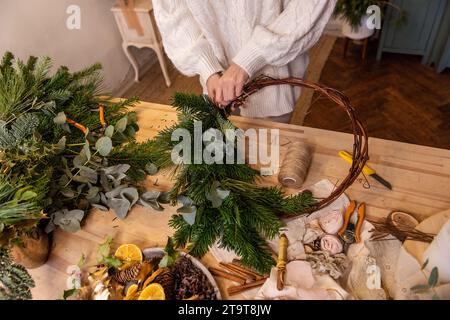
[[420, 177]]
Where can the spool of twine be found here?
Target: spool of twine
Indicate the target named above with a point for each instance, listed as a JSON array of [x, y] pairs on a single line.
[[295, 166]]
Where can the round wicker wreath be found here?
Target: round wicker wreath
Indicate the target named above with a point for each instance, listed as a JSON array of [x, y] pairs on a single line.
[[360, 146]]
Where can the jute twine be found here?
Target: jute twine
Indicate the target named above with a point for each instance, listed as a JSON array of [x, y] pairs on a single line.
[[295, 165]]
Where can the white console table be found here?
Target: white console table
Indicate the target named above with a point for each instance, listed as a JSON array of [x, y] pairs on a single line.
[[146, 37]]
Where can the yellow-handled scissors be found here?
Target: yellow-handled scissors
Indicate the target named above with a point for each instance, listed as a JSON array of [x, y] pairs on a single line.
[[366, 170]]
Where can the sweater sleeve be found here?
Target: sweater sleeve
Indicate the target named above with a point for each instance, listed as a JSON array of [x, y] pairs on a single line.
[[292, 33], [183, 40]]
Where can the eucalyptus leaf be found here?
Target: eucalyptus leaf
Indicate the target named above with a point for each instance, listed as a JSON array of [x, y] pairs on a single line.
[[89, 173], [66, 127], [153, 204], [75, 214], [68, 193], [121, 207], [102, 198], [189, 214], [115, 192], [434, 277], [71, 226], [131, 194], [120, 168], [68, 220], [61, 145], [185, 201], [87, 150], [80, 179], [49, 227], [121, 125], [151, 169], [420, 288], [109, 131], [425, 264], [150, 195], [217, 195], [104, 146], [60, 118], [104, 181], [117, 180], [2, 227], [80, 160]]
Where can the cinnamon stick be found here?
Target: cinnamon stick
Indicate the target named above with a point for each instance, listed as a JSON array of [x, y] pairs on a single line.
[[230, 267], [223, 274], [251, 285], [238, 266]]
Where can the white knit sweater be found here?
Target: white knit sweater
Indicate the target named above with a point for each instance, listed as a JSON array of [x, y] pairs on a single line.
[[269, 37]]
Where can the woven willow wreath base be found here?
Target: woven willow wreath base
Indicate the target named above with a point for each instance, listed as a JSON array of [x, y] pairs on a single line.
[[360, 145]]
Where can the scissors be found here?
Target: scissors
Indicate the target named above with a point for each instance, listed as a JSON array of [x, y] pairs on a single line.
[[349, 232]]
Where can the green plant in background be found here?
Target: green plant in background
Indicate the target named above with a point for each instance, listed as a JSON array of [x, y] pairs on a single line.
[[15, 282], [352, 11], [220, 202]]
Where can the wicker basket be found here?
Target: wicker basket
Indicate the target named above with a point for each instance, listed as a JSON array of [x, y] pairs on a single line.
[[360, 144]]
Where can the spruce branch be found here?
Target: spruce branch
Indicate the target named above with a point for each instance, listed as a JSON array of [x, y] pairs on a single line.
[[15, 281]]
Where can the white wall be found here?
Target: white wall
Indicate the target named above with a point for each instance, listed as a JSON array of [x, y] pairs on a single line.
[[38, 27]]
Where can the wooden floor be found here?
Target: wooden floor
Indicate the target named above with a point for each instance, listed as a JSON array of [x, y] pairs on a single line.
[[397, 98]]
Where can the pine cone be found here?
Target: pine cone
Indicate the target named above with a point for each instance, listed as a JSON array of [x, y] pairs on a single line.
[[167, 281], [128, 274]]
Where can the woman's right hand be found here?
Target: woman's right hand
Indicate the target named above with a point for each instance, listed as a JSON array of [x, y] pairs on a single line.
[[213, 86]]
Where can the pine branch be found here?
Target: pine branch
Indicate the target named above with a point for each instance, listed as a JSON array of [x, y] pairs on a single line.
[[246, 217], [15, 281]]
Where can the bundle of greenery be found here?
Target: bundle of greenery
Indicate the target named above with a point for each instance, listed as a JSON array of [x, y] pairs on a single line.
[[222, 202], [65, 147]]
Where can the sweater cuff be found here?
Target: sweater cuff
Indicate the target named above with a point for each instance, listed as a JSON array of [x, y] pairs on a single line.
[[250, 60], [208, 64]]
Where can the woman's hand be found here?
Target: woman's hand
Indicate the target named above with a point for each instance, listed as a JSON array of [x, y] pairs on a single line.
[[212, 85], [224, 89]]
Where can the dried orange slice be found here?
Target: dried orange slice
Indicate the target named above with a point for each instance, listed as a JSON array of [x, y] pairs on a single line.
[[154, 291], [128, 253], [131, 292]]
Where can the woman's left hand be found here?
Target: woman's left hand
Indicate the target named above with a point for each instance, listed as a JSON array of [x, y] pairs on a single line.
[[230, 85]]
